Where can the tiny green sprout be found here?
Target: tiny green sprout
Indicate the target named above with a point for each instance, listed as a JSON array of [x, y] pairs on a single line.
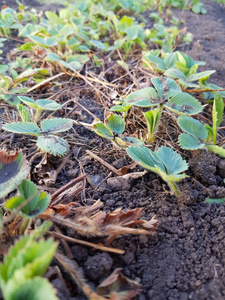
[[40, 105], [23, 267], [152, 118], [195, 136], [166, 162], [24, 113], [122, 107], [112, 128], [29, 201], [217, 114], [165, 93], [47, 140]]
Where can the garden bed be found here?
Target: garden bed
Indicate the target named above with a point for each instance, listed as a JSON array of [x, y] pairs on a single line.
[[185, 258]]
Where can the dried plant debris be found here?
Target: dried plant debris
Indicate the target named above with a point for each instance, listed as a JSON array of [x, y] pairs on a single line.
[[90, 221], [115, 287]]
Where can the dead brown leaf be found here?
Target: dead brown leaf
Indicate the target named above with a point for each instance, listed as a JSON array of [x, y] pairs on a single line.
[[90, 221], [119, 286]]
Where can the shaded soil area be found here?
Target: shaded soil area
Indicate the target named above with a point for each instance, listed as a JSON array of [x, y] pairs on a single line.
[[186, 258], [209, 37]]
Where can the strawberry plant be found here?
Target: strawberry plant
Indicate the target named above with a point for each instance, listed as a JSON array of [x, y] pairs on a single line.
[[23, 267], [47, 140], [38, 106], [112, 129], [32, 202], [166, 162], [195, 136], [165, 93]]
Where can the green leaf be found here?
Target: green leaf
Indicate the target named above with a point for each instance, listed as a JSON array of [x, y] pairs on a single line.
[[98, 44], [26, 74], [198, 76], [35, 289], [189, 142], [209, 138], [28, 101], [55, 125], [25, 260], [171, 88], [41, 104], [81, 58], [170, 60], [24, 113], [126, 141], [145, 157], [152, 117], [52, 57], [121, 108], [15, 202], [158, 85], [102, 130], [216, 149], [183, 103], [66, 30], [54, 18], [37, 202], [175, 73], [46, 42], [132, 31], [48, 104], [11, 173], [167, 163], [145, 97], [28, 128], [158, 62], [217, 114], [193, 127], [53, 144], [211, 200], [173, 162], [27, 30], [115, 123]]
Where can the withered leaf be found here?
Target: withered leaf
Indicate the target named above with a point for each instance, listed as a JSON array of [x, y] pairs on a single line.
[[119, 285]]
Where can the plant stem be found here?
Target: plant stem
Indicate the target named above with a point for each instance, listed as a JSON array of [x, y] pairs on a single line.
[[174, 188], [24, 225], [38, 111], [216, 149]]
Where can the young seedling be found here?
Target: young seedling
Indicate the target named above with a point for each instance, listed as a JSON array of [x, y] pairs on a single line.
[[195, 136], [166, 162], [177, 60], [112, 128], [217, 117], [152, 118], [165, 93], [38, 106], [47, 140], [29, 202], [11, 84], [23, 267]]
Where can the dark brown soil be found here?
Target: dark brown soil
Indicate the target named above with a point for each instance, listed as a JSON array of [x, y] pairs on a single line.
[[209, 38], [186, 258]]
